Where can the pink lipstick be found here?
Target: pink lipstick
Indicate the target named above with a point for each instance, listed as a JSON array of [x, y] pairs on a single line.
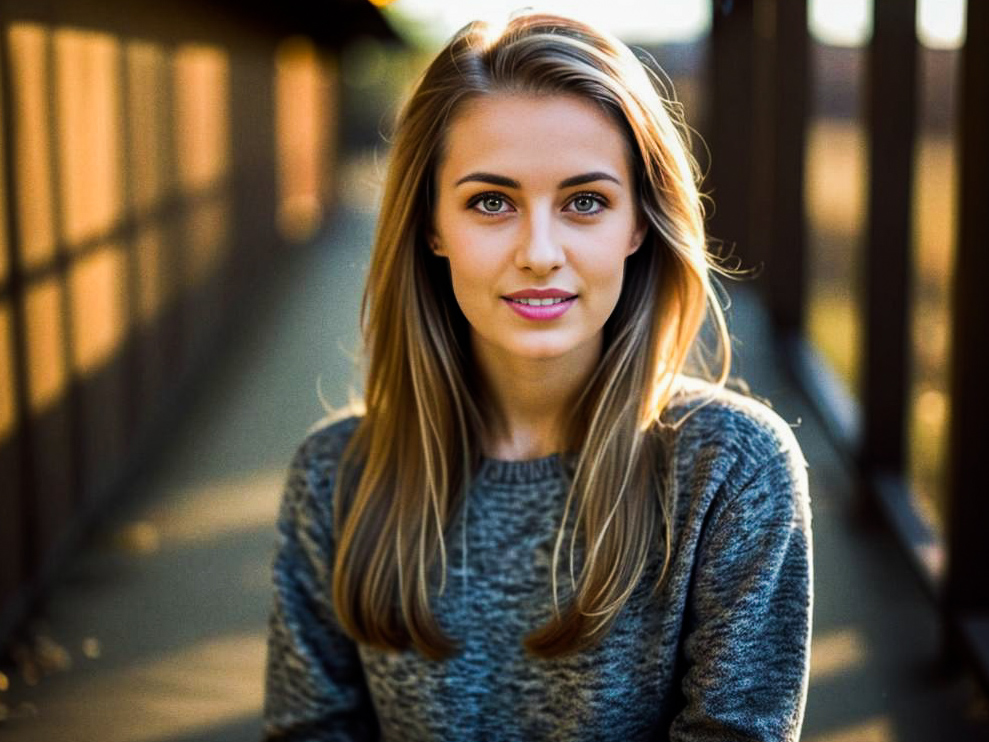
[[540, 304]]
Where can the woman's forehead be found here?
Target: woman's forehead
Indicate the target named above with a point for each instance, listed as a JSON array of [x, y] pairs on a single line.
[[527, 134]]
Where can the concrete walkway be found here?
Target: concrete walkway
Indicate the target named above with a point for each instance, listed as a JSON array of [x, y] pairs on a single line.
[[158, 632]]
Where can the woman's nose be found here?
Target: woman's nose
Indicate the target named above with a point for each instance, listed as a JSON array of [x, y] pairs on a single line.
[[540, 249]]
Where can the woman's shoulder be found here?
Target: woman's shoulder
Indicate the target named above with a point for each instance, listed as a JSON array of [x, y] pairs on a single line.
[[324, 443], [705, 417], [311, 476], [732, 453]]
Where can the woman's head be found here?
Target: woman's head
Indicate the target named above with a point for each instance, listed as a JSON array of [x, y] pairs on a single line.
[[408, 466], [666, 286], [535, 211]]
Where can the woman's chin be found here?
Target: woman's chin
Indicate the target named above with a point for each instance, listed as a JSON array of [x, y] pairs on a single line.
[[547, 350]]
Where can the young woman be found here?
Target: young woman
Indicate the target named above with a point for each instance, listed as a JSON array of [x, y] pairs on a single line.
[[542, 528]]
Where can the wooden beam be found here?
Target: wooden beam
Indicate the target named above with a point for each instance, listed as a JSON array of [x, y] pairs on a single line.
[[731, 132], [891, 124], [968, 520], [786, 263]]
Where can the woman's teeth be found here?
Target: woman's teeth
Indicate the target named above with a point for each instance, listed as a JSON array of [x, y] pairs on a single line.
[[540, 302]]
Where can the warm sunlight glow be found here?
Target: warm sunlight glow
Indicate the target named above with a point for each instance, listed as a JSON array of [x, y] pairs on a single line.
[[836, 163], [4, 247], [202, 115], [304, 124], [5, 260], [876, 729], [99, 315], [8, 397], [220, 508], [186, 692], [836, 652], [47, 373], [32, 157], [4, 243], [87, 95], [935, 203], [835, 197], [146, 114]]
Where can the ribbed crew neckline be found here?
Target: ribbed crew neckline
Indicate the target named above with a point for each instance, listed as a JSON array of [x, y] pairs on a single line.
[[529, 471]]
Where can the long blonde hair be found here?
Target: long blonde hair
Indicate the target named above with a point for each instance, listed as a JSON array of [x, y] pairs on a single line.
[[408, 465]]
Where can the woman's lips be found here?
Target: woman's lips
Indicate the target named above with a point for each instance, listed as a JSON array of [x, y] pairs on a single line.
[[537, 309], [549, 293]]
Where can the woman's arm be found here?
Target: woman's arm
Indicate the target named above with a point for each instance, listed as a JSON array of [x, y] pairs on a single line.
[[314, 687], [747, 647]]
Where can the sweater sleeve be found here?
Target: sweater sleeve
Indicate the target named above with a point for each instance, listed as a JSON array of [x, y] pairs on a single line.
[[747, 647], [314, 682]]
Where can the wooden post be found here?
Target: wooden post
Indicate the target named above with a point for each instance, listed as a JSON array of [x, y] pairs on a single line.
[[786, 261], [891, 121], [19, 487], [966, 585], [731, 129]]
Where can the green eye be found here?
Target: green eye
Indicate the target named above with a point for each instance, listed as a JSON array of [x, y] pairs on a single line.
[[490, 204], [586, 203]]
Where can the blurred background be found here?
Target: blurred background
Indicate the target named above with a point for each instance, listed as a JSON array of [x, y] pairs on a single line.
[[189, 196]]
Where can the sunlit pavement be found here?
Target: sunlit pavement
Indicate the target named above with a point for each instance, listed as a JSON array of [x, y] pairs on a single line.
[[157, 633]]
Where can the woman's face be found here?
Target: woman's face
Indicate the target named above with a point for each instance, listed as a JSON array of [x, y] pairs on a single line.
[[536, 213]]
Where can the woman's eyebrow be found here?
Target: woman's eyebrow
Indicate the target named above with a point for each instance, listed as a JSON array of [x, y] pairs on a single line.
[[498, 180], [501, 180], [587, 178]]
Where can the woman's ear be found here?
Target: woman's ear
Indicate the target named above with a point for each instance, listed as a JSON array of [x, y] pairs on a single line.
[[639, 235], [433, 240]]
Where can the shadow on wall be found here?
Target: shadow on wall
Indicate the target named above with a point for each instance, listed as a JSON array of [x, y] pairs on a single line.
[[148, 179]]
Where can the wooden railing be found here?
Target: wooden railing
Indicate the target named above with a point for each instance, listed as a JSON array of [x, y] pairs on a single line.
[[150, 175], [758, 133]]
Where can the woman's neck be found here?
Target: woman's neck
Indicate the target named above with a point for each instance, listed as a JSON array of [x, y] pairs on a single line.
[[532, 399]]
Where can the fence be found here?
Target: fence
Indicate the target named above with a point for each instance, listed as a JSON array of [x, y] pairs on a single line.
[[154, 163], [760, 77]]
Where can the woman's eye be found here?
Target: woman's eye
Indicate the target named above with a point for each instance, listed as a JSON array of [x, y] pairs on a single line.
[[491, 203], [586, 203]]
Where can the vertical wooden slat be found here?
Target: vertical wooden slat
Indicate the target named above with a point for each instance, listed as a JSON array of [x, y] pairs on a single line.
[[47, 466], [786, 262], [891, 124], [131, 394], [967, 587], [50, 461], [18, 483], [252, 134], [731, 120], [95, 281], [72, 404], [171, 330]]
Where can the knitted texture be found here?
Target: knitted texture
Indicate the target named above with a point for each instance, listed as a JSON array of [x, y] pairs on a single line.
[[720, 653]]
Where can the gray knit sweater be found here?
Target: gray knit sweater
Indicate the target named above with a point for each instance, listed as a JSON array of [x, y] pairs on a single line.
[[721, 653]]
